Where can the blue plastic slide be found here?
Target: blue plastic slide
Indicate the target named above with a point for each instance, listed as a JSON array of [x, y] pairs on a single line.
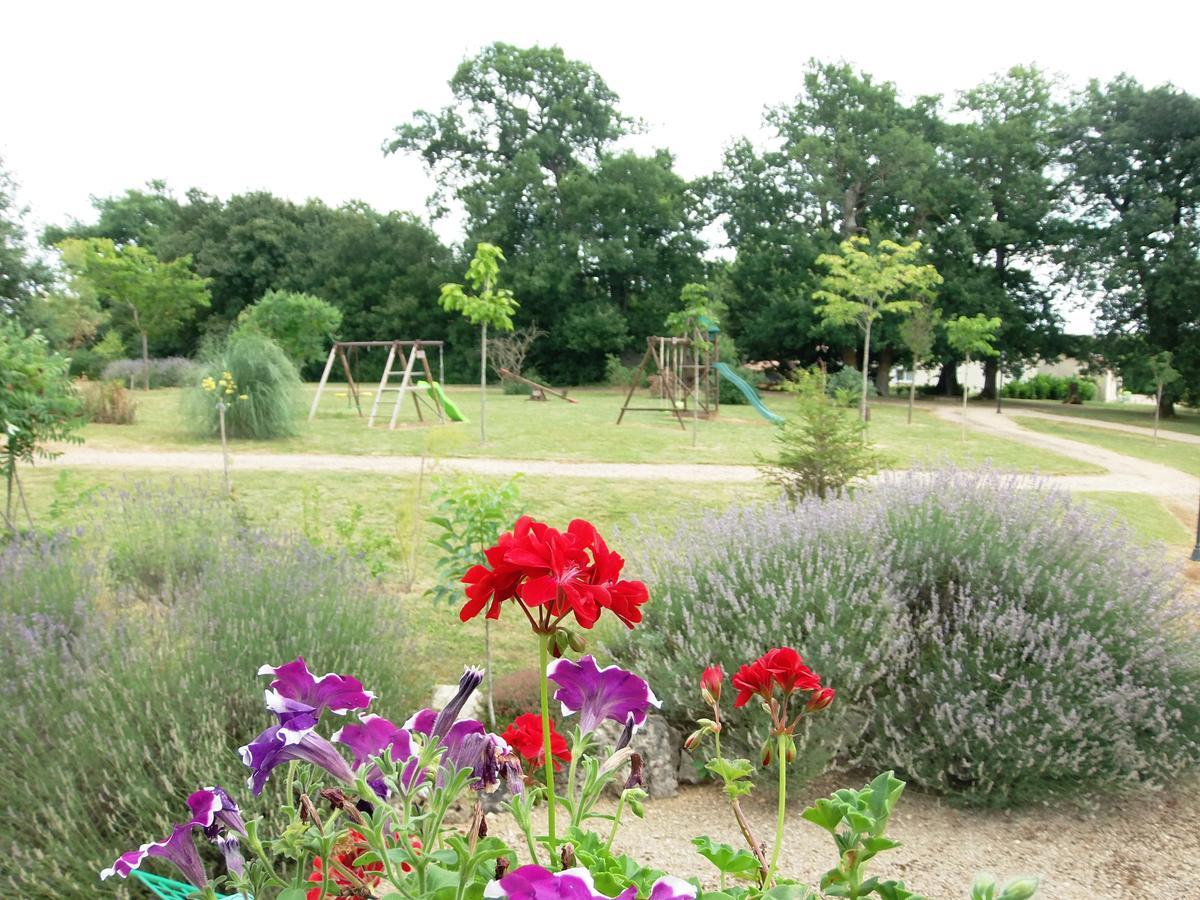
[[751, 395]]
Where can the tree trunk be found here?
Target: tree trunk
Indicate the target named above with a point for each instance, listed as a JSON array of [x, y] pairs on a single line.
[[145, 361], [850, 357], [862, 408], [966, 368], [482, 382], [912, 394], [1157, 411], [8, 495], [1166, 407], [947, 384], [991, 368], [883, 374]]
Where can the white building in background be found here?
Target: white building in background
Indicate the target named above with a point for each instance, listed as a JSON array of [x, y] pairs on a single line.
[[1108, 384]]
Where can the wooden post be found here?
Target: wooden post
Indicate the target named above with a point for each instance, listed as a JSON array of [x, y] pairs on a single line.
[[324, 378], [351, 386]]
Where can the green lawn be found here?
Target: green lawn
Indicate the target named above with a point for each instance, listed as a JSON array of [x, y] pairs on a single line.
[[1140, 415], [1147, 516], [587, 431], [1177, 455]]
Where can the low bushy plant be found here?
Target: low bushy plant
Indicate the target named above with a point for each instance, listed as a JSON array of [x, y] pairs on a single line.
[[730, 395], [265, 377], [134, 697], [1049, 387], [170, 371], [106, 402], [301, 324], [845, 385], [990, 638]]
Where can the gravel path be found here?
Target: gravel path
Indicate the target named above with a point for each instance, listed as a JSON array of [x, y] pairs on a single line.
[[1180, 436], [1080, 854], [1125, 473]]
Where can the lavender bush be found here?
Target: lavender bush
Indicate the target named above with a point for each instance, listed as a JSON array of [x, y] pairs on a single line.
[[131, 694], [990, 638], [170, 371], [776, 574]]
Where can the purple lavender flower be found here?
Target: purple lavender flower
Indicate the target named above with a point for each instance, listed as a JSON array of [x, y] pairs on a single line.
[[283, 743], [536, 883], [598, 694], [296, 691]]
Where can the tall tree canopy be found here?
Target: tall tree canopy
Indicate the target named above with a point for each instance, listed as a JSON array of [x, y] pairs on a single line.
[[22, 275], [1134, 162], [599, 241]]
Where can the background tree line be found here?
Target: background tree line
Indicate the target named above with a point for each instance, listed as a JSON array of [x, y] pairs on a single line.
[[1019, 193]]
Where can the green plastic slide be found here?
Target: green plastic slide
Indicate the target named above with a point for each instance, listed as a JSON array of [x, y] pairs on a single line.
[[453, 413], [751, 395]]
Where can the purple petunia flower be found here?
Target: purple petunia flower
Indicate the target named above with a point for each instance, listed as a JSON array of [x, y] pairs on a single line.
[[283, 743], [371, 737], [598, 694], [296, 691], [490, 758], [214, 812], [231, 851], [179, 849], [472, 677], [536, 883]]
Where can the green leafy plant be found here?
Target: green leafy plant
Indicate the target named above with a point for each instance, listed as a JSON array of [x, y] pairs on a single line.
[[301, 324], [158, 297], [971, 336], [1163, 374], [471, 513], [822, 449], [488, 305], [862, 283], [38, 405], [918, 332]]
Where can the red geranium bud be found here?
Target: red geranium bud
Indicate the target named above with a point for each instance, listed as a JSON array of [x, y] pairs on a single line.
[[768, 752], [791, 749], [710, 685], [819, 700], [693, 740]]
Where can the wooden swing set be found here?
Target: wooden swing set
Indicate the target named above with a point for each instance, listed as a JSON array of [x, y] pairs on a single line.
[[679, 370], [403, 356]]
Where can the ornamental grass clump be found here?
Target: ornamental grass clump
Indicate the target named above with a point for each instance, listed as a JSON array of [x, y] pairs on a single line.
[[991, 638], [263, 374]]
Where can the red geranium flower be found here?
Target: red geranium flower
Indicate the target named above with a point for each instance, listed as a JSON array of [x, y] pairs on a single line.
[[554, 573], [711, 681], [753, 678], [782, 667], [346, 852], [525, 736]]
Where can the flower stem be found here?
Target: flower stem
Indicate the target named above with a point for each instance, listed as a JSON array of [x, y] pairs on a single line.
[[781, 755], [544, 659], [616, 822]]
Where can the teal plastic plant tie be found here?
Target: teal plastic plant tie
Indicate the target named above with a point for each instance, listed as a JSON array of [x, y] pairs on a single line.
[[166, 889]]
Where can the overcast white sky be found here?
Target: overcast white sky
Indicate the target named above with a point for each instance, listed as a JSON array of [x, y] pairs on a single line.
[[296, 98]]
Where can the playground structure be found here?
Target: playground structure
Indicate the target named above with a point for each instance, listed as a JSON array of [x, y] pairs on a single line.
[[684, 375], [403, 356], [539, 390]]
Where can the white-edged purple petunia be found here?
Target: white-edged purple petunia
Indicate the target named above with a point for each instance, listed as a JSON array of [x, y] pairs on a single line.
[[179, 848], [372, 736], [295, 691], [598, 694], [535, 883], [215, 813], [283, 743]]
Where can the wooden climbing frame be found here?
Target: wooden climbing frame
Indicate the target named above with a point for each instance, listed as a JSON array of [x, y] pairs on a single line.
[[402, 355]]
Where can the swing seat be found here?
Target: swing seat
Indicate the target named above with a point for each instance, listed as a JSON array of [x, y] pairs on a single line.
[[166, 889]]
